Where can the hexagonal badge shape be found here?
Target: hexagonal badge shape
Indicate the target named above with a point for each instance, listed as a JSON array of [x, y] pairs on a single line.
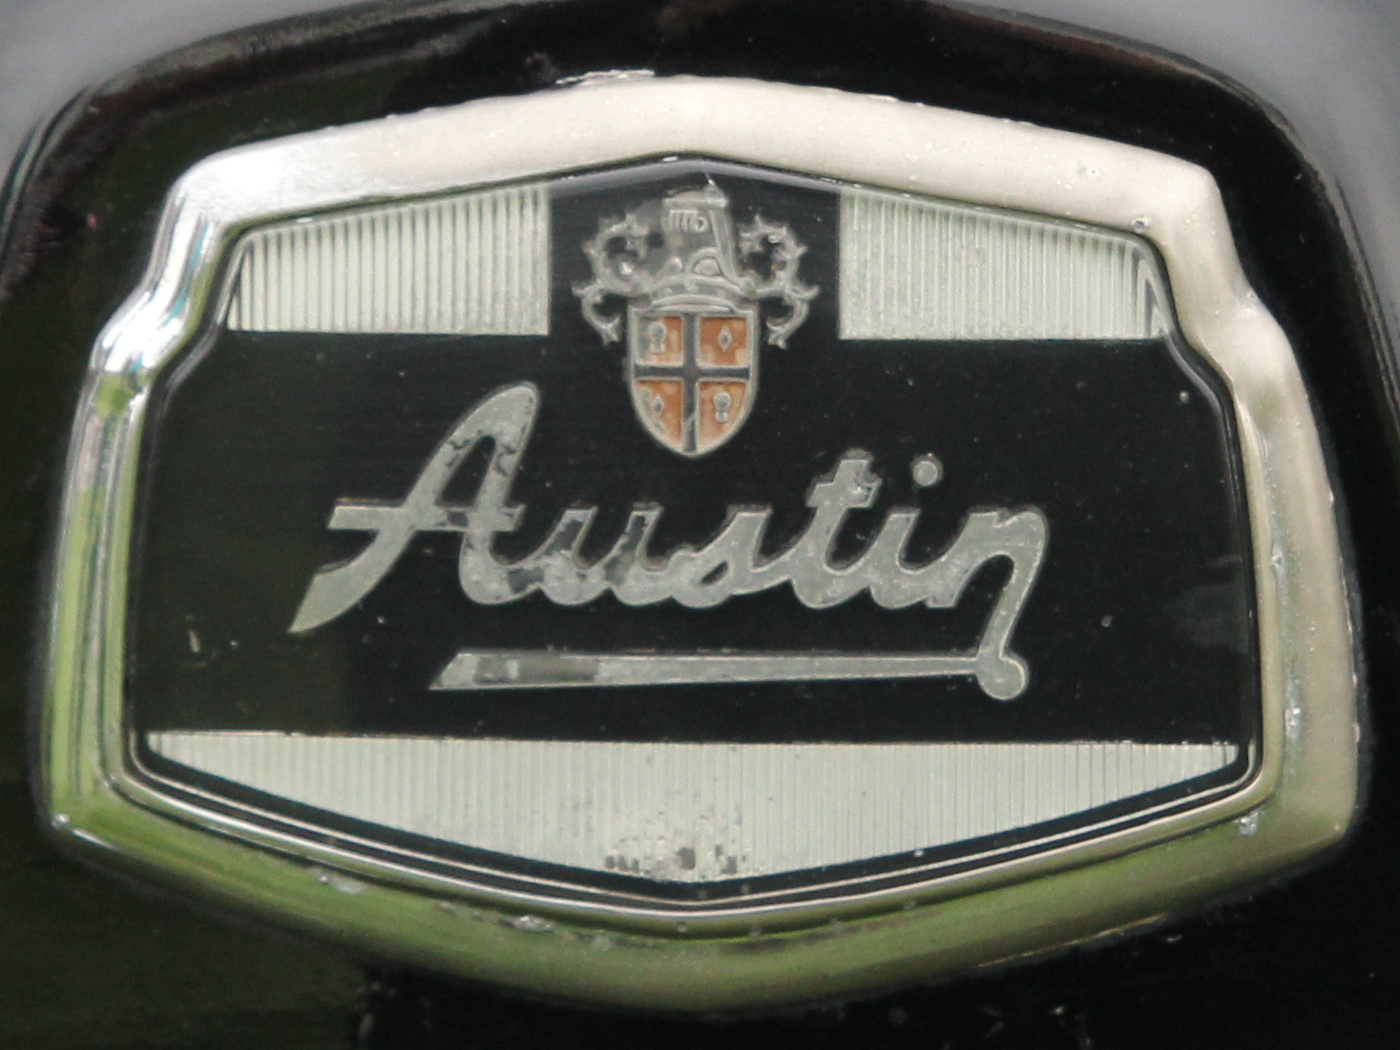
[[434, 574]]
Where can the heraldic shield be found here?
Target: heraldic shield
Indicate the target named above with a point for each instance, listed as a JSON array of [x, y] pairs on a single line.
[[693, 294], [693, 370]]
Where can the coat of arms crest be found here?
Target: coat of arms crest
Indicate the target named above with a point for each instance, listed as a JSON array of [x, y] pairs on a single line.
[[693, 285]]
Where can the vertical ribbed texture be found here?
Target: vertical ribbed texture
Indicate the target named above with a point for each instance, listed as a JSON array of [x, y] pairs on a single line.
[[691, 812], [920, 269], [476, 264]]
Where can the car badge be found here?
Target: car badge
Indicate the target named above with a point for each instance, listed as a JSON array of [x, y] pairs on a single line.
[[431, 576], [692, 310]]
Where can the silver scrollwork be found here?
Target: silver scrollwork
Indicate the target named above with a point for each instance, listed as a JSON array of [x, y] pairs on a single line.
[[699, 253]]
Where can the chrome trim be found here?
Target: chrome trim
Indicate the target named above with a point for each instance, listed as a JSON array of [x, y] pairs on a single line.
[[477, 669], [1299, 798]]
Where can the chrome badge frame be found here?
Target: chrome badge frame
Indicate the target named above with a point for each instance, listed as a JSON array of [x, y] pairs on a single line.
[[1298, 800]]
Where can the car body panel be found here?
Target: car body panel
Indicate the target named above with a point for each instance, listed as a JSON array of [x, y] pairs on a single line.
[[89, 962]]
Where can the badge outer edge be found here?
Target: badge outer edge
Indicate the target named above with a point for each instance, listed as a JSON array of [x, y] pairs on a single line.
[[1300, 801]]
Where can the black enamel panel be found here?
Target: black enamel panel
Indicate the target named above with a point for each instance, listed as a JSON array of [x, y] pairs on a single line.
[[1138, 627]]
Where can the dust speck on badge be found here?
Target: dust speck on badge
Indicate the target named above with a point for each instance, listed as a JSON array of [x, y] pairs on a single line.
[[927, 470], [340, 883], [1293, 721]]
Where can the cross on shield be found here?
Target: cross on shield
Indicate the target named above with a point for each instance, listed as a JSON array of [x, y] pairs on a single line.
[[693, 370], [693, 293]]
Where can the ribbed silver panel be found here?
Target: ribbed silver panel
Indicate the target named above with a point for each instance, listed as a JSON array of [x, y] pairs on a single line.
[[690, 812], [476, 264], [921, 269]]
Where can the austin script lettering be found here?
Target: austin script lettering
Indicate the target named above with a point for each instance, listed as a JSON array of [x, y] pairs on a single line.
[[730, 564]]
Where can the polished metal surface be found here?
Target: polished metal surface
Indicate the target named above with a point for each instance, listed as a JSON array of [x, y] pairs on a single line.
[[1301, 791], [473, 669]]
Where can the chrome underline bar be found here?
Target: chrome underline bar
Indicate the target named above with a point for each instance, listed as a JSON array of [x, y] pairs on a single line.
[[477, 669]]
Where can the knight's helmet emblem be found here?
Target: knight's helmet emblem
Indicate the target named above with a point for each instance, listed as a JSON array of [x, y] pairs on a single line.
[[693, 291]]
